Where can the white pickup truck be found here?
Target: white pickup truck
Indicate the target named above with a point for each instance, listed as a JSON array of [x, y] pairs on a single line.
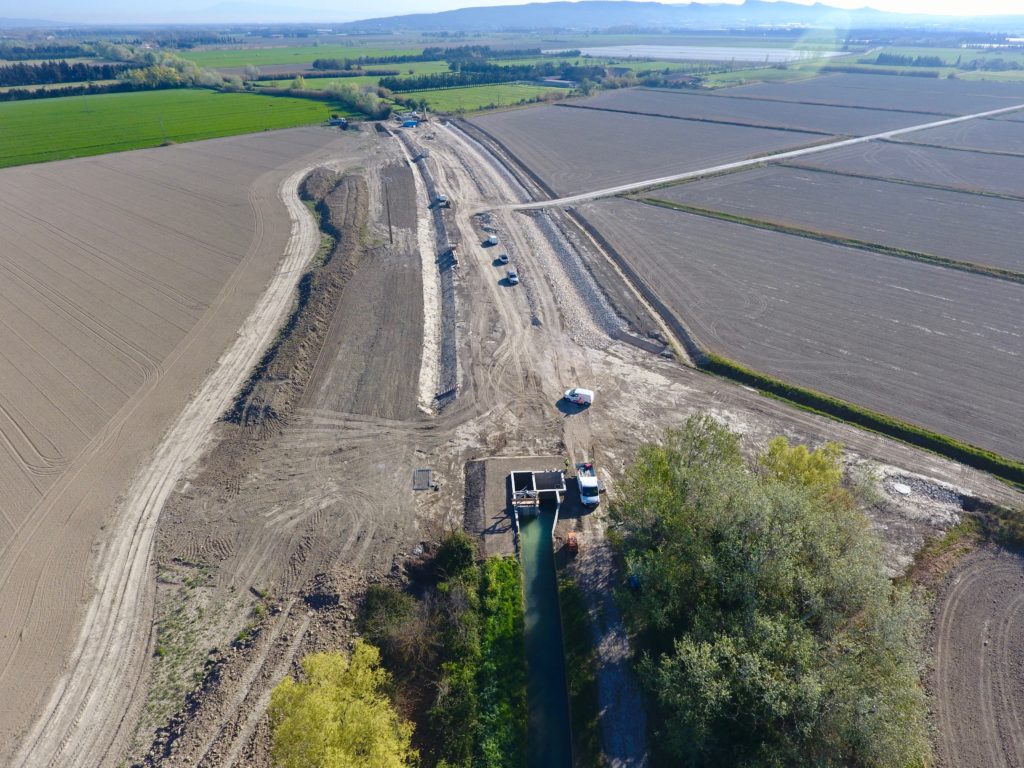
[[590, 488]]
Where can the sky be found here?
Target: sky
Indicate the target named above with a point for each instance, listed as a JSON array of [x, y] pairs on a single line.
[[207, 11]]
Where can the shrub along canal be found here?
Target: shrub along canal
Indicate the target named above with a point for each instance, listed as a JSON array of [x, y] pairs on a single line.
[[548, 743]]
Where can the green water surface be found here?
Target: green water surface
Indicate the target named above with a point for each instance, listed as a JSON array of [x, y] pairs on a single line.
[[547, 736]]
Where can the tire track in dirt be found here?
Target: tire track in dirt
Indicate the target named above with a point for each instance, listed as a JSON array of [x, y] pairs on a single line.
[[84, 715], [977, 681]]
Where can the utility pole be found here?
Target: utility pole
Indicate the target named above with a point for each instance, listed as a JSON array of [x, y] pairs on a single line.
[[387, 204]]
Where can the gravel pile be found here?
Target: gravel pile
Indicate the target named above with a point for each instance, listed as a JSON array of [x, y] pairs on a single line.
[[920, 487]]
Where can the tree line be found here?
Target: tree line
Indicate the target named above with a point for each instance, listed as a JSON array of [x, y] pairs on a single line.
[[77, 89], [50, 72], [436, 53], [12, 51], [994, 64], [362, 61], [457, 646], [485, 73], [768, 632], [897, 60]]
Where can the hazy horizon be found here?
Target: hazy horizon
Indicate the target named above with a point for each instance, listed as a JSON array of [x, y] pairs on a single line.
[[328, 11]]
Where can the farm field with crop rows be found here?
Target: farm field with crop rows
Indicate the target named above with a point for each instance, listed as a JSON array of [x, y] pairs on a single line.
[[911, 94], [970, 171], [955, 225], [719, 106], [932, 346], [314, 83], [575, 150], [1005, 136], [113, 122]]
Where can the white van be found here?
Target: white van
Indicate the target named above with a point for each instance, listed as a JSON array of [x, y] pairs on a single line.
[[580, 396]]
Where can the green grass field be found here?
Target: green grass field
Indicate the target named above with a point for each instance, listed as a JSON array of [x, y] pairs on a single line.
[[239, 57], [476, 97], [319, 83], [76, 126]]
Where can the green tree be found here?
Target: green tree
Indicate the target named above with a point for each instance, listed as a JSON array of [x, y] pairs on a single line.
[[339, 717], [770, 633], [820, 469], [455, 555]]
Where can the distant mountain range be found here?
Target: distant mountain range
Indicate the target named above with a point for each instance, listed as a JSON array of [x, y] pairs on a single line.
[[590, 15], [586, 15]]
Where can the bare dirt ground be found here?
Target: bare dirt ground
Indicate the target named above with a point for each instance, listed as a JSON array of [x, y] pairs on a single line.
[[265, 543], [330, 492], [977, 679], [128, 276]]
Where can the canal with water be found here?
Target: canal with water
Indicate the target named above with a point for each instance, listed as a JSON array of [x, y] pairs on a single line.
[[548, 740]]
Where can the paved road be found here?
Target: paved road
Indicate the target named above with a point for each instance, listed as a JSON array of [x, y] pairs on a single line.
[[637, 185]]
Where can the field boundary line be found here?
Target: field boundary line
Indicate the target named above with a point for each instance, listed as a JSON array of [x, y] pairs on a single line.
[[712, 121], [970, 150], [716, 95], [906, 182], [1006, 469], [775, 157], [999, 273]]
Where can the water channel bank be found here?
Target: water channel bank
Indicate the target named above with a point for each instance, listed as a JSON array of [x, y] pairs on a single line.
[[548, 739]]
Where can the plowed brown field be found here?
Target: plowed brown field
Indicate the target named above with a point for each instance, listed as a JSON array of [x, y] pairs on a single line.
[[978, 678], [122, 280]]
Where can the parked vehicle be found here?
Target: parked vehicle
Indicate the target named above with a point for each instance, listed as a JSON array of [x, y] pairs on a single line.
[[513, 277], [580, 396], [491, 240], [441, 201], [590, 488], [503, 259]]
